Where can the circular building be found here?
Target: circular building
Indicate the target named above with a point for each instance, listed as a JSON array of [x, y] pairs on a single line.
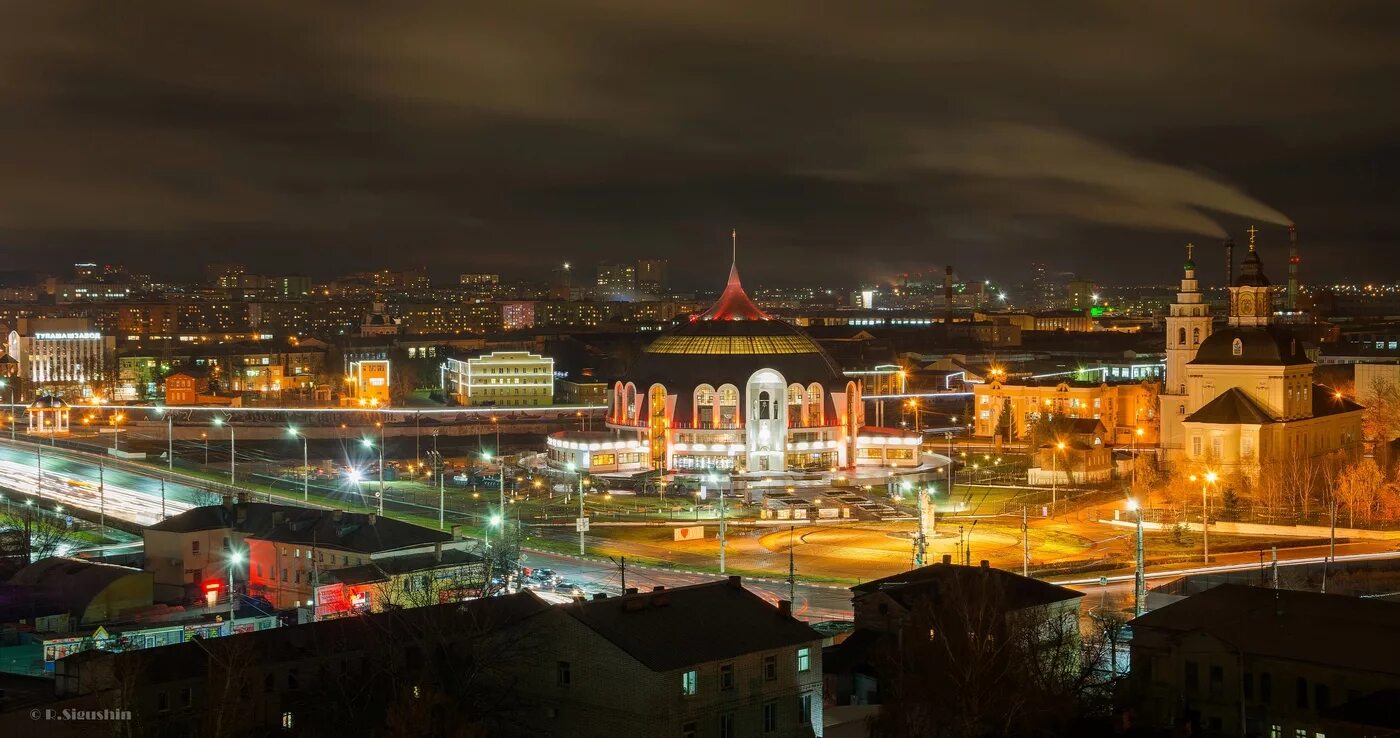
[[736, 390]]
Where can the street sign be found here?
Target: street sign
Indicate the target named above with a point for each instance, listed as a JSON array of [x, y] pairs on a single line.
[[581, 525], [690, 533]]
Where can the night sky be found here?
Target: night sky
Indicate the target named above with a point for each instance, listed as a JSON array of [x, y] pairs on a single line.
[[843, 142]]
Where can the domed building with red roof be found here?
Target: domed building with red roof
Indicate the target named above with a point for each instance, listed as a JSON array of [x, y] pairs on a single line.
[[735, 390]]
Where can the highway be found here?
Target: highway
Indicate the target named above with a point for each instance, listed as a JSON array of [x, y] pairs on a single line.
[[71, 479]]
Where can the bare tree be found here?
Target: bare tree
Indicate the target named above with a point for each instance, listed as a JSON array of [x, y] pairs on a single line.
[[1358, 488], [965, 663], [28, 534]]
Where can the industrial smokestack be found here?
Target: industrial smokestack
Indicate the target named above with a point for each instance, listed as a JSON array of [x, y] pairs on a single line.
[[948, 294], [1293, 260], [1229, 262]]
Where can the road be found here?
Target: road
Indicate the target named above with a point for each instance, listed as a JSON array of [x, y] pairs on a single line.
[[72, 479], [90, 485]]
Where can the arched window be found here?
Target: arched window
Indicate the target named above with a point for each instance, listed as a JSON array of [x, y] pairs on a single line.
[[631, 400], [816, 407], [797, 414], [1181, 336], [728, 405], [704, 410], [1237, 348], [1195, 336], [765, 403]]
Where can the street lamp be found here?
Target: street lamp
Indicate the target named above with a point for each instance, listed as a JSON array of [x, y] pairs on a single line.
[[719, 489], [580, 522], [305, 465], [117, 419], [368, 443], [234, 559], [1140, 577], [1206, 482], [491, 522], [232, 452], [1055, 473]]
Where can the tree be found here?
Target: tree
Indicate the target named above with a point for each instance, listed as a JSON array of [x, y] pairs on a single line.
[[1380, 420], [28, 534], [1358, 489], [403, 379], [968, 663]]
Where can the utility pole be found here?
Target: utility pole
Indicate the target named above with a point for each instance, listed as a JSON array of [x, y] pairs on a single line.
[[1331, 544], [102, 495], [622, 570], [581, 523], [1274, 565], [1140, 574], [1025, 545], [170, 441], [162, 498], [792, 567], [921, 538]]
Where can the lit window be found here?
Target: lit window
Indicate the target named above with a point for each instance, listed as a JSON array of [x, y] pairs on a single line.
[[804, 659], [288, 721], [689, 682]]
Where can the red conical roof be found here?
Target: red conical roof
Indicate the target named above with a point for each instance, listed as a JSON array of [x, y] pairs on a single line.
[[734, 303]]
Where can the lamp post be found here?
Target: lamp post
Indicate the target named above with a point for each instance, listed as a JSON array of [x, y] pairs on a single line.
[[1206, 481], [492, 521], [205, 436], [579, 523], [234, 559], [369, 443], [117, 419], [305, 465], [719, 489], [232, 452], [1055, 473], [442, 483], [1140, 575]]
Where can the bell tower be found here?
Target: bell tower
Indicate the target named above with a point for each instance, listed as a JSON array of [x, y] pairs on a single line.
[[1188, 324], [1251, 297]]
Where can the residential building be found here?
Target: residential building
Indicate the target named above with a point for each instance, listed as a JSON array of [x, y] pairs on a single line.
[[501, 378], [478, 279], [283, 548], [1238, 660], [510, 666], [651, 276], [185, 385], [616, 279], [412, 580], [933, 613], [1123, 408]]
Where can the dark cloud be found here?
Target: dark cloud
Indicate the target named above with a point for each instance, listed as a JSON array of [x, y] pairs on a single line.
[[843, 141]]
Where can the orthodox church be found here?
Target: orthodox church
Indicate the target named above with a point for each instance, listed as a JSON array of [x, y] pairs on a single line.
[[1241, 398]]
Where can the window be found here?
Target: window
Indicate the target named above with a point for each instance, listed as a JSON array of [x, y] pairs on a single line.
[[1301, 694], [689, 682], [162, 702], [1195, 445], [1322, 697], [1191, 676], [726, 676], [804, 709], [804, 659], [689, 730], [726, 726], [194, 548], [226, 546], [1300, 733], [1275, 731], [770, 717], [284, 575], [564, 675], [1247, 685], [770, 668], [185, 697], [1237, 348], [1266, 688], [1217, 680], [288, 722]]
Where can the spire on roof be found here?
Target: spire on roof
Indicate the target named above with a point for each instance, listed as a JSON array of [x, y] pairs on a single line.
[[734, 303]]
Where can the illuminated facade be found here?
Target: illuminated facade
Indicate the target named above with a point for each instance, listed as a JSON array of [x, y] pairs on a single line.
[[62, 354], [1123, 408], [369, 382], [735, 390], [1248, 399], [501, 378]]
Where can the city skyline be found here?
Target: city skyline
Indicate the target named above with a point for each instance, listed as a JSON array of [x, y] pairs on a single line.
[[848, 143]]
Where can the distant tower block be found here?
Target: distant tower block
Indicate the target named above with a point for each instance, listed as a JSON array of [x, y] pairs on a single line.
[[1293, 260]]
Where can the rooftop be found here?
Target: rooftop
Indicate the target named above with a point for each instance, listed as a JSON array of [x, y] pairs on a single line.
[[1020, 592], [363, 532], [672, 628], [1332, 630]]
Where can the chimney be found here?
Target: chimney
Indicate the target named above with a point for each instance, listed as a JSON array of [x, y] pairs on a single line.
[[736, 581], [1293, 260], [947, 559], [600, 595], [631, 590], [456, 532], [1229, 262], [984, 564], [785, 608], [658, 588]]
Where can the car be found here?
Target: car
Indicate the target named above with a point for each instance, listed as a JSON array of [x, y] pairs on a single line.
[[543, 574]]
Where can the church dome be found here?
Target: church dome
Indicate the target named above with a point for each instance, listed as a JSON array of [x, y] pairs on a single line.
[[1251, 346], [1251, 271]]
